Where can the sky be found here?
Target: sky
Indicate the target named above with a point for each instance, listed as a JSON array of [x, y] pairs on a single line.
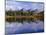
[[14, 5], [32, 0]]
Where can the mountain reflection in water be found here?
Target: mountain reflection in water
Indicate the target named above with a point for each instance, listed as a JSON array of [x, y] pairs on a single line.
[[26, 27]]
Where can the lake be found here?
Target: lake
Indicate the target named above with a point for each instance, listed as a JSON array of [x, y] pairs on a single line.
[[24, 27]]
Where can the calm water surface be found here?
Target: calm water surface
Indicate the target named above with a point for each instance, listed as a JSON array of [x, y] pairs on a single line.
[[25, 27]]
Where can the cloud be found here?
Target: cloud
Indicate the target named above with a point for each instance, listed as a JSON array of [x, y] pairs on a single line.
[[29, 5], [12, 4]]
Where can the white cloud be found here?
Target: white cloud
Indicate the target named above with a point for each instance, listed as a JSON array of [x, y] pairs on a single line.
[[12, 4]]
